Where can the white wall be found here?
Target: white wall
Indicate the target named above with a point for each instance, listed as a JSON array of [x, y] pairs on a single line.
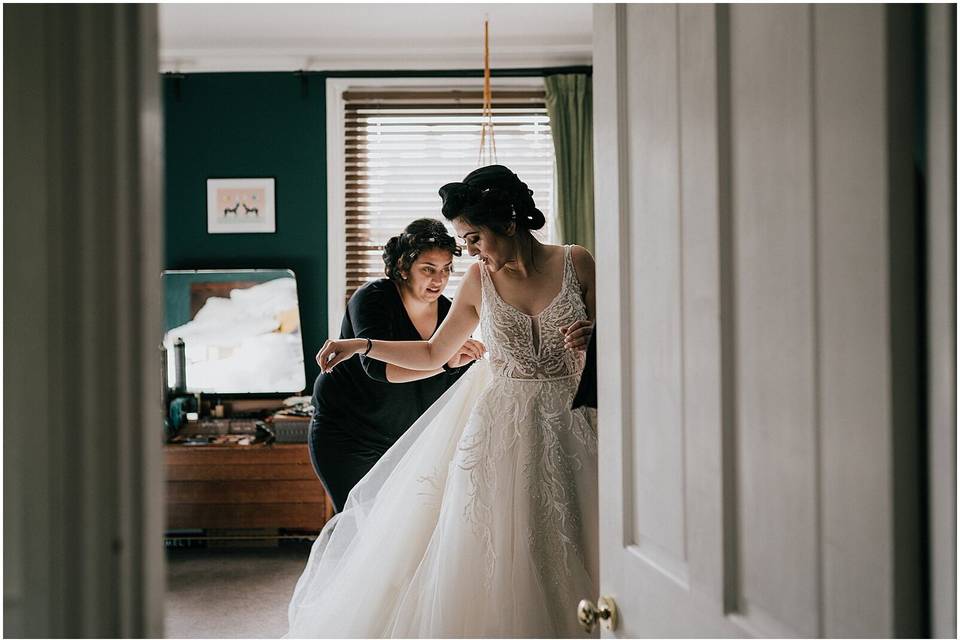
[[322, 36]]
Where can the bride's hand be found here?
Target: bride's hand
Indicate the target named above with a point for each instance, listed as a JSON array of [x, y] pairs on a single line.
[[336, 351], [470, 351], [577, 335]]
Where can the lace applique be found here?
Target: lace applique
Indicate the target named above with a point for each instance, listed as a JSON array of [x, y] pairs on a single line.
[[432, 486], [509, 333], [538, 379]]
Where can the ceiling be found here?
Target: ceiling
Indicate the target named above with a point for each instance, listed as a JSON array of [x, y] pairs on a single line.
[[275, 37]]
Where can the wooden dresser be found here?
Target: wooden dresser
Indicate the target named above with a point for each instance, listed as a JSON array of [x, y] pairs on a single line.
[[243, 487]]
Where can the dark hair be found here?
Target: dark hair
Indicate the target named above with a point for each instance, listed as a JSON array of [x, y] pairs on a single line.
[[423, 234], [493, 197]]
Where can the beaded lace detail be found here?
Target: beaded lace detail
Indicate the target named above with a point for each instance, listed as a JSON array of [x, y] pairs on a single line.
[[531, 347], [529, 415]]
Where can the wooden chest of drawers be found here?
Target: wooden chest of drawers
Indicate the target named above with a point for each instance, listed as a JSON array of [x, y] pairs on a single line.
[[243, 487]]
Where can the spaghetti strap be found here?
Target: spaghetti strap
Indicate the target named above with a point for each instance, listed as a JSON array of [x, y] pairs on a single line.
[[569, 271]]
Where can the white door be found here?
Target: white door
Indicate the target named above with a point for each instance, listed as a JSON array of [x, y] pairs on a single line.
[[754, 208]]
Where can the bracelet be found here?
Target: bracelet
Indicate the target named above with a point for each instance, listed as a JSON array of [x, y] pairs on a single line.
[[369, 346]]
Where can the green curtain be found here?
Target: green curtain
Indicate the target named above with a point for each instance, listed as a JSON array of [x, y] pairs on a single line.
[[570, 105]]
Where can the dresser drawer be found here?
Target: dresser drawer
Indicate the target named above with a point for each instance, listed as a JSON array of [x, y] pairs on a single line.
[[243, 487]]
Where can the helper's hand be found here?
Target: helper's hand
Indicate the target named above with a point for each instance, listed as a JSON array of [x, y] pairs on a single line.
[[336, 351], [470, 351], [577, 335]]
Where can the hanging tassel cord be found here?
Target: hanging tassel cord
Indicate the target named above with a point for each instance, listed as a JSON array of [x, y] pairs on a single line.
[[490, 148]]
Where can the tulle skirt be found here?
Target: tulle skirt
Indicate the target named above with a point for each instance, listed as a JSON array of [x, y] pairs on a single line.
[[481, 521]]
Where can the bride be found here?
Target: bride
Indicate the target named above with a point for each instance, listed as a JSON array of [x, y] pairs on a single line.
[[481, 521]]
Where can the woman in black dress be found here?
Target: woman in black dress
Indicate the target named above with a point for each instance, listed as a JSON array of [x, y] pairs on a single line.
[[363, 406]]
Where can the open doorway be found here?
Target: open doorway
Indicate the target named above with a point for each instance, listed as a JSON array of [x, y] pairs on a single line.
[[287, 105], [83, 468]]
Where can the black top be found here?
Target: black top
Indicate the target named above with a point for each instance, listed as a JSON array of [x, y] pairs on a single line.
[[587, 390], [355, 399]]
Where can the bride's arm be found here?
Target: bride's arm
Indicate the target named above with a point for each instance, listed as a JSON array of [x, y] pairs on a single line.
[[422, 355]]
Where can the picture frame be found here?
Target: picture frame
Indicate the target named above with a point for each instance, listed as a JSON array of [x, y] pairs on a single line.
[[241, 205]]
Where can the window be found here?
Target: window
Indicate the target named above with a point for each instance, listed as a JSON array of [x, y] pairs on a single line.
[[400, 146]]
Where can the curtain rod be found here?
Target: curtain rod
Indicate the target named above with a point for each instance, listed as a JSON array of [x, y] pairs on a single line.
[[460, 73], [525, 72]]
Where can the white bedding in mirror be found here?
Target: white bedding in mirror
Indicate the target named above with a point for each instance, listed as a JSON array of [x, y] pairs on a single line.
[[249, 342]]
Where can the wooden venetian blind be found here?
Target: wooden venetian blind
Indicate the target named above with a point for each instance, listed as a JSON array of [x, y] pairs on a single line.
[[401, 147]]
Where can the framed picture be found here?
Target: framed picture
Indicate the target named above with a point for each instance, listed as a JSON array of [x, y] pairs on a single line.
[[241, 205]]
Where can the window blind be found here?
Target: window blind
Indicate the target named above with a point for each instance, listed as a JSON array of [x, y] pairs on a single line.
[[402, 146]]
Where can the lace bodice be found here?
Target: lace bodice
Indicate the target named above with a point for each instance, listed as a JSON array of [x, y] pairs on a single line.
[[531, 347]]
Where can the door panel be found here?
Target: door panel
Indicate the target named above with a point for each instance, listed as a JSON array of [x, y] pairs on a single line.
[[743, 179], [774, 307], [657, 461], [662, 518]]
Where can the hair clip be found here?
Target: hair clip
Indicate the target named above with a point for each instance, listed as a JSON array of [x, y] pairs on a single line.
[[431, 239]]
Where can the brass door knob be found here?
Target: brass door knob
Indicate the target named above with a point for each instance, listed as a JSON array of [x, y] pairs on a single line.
[[605, 611]]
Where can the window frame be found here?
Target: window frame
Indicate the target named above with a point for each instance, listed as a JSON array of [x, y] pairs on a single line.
[[336, 172]]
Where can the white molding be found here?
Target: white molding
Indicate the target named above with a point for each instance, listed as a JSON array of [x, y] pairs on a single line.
[[344, 59], [336, 247], [612, 221]]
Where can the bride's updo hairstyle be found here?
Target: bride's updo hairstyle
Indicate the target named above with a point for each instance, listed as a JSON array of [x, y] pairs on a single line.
[[492, 197], [421, 235]]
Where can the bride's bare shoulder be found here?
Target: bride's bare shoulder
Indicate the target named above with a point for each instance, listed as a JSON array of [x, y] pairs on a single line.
[[555, 251], [470, 285], [581, 254], [583, 263], [473, 273]]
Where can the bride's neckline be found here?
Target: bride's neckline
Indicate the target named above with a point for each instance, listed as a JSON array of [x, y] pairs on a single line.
[[563, 285]]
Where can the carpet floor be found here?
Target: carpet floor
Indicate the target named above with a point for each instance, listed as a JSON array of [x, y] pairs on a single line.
[[231, 593]]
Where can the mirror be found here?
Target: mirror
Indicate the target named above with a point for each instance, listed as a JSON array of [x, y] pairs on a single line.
[[241, 330]]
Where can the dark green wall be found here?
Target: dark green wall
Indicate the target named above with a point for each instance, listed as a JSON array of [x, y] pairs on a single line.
[[249, 125]]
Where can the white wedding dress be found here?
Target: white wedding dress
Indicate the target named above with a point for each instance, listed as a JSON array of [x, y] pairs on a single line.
[[481, 521]]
